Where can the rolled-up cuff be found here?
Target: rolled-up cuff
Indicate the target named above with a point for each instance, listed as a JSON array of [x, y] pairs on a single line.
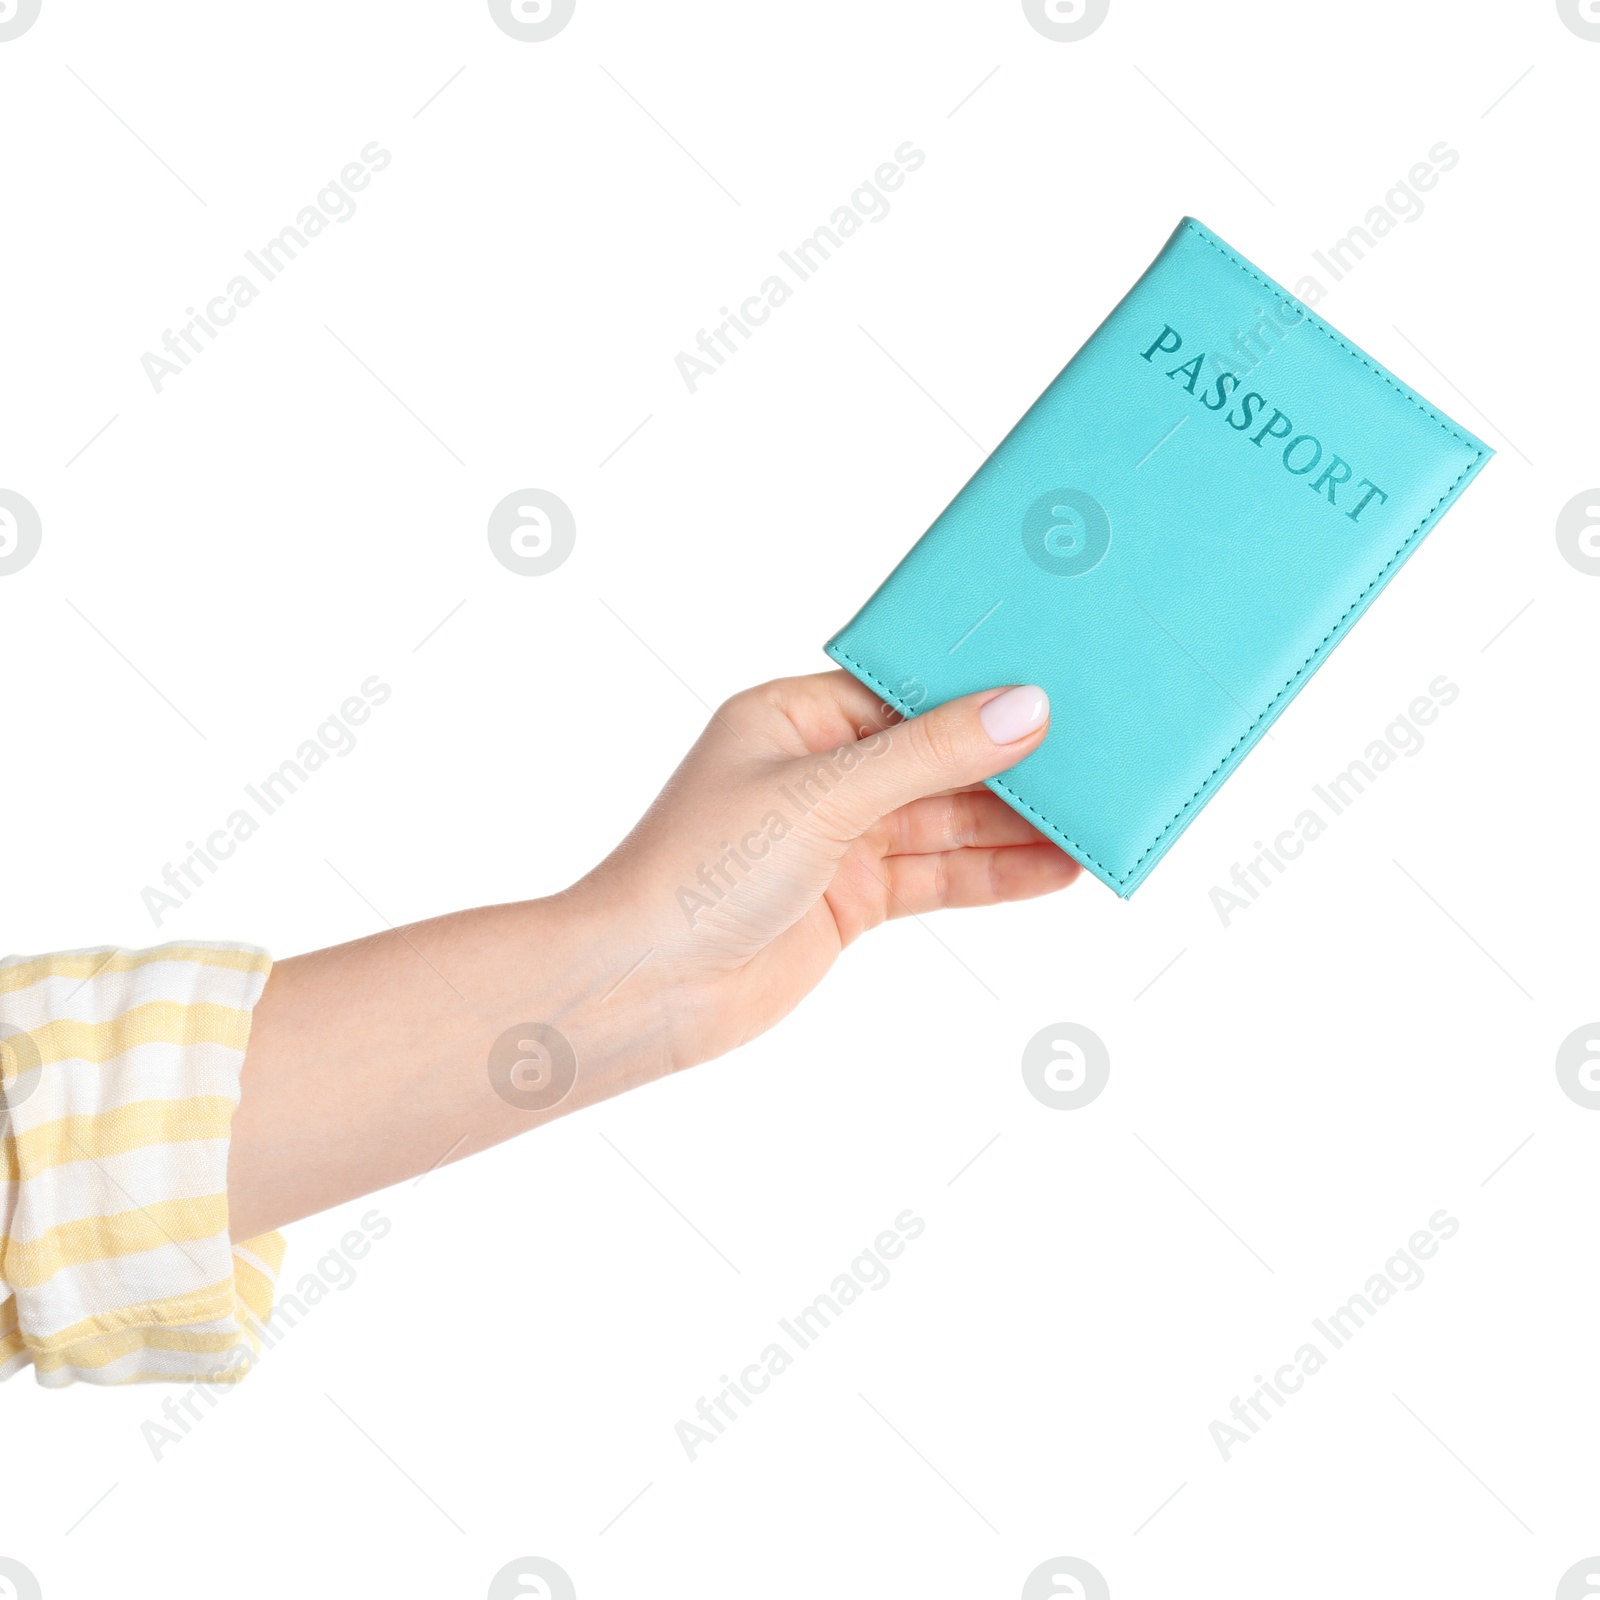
[[119, 1075]]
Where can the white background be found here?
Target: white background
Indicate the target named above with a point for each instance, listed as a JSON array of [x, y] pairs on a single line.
[[1291, 1096]]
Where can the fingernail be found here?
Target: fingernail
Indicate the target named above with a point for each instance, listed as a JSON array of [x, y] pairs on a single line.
[[1015, 714]]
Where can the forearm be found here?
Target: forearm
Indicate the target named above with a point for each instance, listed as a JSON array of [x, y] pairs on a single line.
[[371, 1062]]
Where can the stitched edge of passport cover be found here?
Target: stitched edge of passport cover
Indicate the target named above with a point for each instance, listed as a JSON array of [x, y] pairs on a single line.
[[1125, 882]]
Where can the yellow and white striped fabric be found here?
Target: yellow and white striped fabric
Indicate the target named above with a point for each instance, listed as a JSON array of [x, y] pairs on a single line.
[[120, 1078]]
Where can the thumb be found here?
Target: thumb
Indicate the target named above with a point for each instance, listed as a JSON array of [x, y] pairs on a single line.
[[959, 743]]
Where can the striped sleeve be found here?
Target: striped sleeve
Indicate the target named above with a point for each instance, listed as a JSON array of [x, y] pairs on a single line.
[[119, 1074]]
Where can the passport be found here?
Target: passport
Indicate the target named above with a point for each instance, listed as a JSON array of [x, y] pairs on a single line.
[[1170, 541]]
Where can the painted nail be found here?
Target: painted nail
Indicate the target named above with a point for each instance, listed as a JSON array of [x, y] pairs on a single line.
[[1015, 714]]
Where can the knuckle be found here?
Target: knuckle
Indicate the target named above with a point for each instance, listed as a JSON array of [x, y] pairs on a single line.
[[740, 701], [963, 821], [778, 704], [744, 708], [936, 741]]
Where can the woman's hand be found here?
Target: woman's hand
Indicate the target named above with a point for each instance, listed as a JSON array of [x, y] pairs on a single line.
[[805, 814]]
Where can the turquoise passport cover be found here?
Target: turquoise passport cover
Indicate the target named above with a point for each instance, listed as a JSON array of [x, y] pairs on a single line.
[[1170, 541]]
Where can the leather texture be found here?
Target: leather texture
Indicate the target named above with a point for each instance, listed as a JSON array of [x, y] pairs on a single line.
[[1169, 577]]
